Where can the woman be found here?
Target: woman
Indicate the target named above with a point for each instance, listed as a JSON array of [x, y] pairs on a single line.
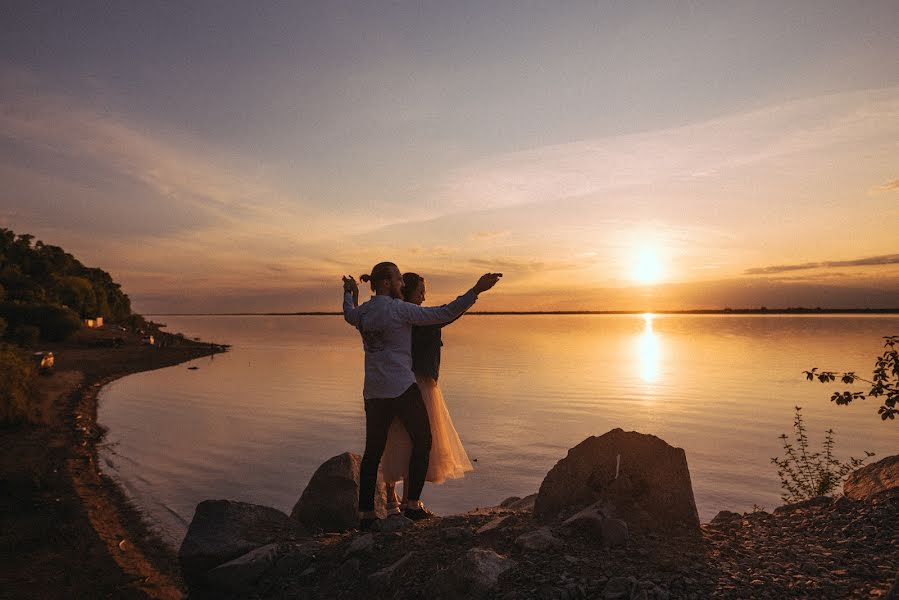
[[390, 389], [448, 459]]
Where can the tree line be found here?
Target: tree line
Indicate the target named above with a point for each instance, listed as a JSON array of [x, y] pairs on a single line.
[[47, 292]]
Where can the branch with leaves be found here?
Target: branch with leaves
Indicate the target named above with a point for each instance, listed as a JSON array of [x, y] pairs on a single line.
[[884, 381]]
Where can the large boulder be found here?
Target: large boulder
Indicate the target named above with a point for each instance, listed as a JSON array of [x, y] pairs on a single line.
[[633, 476], [222, 530], [873, 479], [330, 501]]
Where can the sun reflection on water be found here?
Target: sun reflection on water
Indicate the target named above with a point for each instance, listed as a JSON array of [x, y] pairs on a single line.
[[649, 351]]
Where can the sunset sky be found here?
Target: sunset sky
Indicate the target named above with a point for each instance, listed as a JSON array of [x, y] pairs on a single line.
[[220, 157]]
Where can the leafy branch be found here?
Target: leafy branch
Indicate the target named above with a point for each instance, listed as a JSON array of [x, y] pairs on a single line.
[[884, 380]]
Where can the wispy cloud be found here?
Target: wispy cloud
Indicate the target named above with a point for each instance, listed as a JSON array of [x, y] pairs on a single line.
[[652, 160], [870, 261]]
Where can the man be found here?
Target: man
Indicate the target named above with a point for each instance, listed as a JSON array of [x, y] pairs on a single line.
[[385, 323]]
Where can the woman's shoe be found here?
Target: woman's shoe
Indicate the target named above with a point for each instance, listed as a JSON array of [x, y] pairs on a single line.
[[393, 508]]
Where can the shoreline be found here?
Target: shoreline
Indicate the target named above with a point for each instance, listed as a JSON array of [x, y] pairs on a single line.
[[69, 529]]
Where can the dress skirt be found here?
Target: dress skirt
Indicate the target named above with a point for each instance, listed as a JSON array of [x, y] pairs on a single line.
[[447, 460]]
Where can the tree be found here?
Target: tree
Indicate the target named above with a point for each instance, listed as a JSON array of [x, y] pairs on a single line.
[[884, 381]]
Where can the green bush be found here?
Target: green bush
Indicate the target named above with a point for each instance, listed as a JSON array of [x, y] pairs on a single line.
[[805, 474], [55, 322], [26, 336], [18, 386]]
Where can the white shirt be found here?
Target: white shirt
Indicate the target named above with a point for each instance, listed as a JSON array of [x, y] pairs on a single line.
[[385, 324]]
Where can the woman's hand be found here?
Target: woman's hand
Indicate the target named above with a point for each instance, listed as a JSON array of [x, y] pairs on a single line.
[[487, 281]]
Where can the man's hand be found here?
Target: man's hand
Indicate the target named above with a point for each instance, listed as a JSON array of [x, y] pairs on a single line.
[[487, 281], [350, 285]]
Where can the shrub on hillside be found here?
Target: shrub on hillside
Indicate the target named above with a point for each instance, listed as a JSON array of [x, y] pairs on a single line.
[[55, 322], [18, 386]]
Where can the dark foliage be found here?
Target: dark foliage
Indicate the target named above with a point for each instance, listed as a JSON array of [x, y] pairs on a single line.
[[44, 286], [884, 380]]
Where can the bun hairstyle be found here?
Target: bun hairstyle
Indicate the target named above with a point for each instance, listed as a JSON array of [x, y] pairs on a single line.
[[410, 284], [380, 272]]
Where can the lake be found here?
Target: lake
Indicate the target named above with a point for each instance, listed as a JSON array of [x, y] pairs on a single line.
[[254, 423]]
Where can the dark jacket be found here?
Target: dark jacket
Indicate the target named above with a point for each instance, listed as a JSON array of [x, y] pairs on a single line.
[[426, 343]]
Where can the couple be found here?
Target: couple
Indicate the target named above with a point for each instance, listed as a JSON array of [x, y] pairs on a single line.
[[395, 381]]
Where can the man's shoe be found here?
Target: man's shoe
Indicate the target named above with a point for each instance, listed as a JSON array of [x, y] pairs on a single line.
[[417, 513]]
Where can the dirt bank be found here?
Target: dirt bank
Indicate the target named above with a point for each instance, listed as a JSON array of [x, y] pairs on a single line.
[[66, 530]]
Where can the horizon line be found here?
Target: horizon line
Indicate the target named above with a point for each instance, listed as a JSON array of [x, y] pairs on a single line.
[[761, 310]]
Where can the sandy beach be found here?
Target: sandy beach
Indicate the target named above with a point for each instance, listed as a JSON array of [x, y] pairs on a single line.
[[67, 530]]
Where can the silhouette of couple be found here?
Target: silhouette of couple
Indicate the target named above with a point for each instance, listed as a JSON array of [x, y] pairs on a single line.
[[406, 419]]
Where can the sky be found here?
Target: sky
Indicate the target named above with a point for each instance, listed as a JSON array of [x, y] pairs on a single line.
[[241, 157]]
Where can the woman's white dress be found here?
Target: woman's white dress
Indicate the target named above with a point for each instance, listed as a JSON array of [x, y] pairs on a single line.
[[448, 459]]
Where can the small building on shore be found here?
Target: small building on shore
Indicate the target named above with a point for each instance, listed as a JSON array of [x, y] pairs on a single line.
[[94, 323]]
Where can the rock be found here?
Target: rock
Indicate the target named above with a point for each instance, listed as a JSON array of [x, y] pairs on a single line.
[[525, 504], [295, 558], [652, 490], [243, 571], [330, 501], [361, 545], [589, 518], [454, 534], [384, 579], [222, 530], [473, 575], [620, 588], [614, 532], [864, 483], [493, 524], [894, 591], [392, 522], [349, 571], [540, 539], [509, 500], [725, 516]]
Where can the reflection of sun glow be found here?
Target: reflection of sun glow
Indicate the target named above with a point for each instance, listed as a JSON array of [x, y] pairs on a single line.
[[649, 351], [648, 268]]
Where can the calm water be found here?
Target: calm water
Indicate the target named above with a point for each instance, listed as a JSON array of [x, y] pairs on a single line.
[[253, 424]]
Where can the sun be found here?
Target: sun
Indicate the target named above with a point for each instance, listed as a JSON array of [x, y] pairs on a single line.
[[647, 267]]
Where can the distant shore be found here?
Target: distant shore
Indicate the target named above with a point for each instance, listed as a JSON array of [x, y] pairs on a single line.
[[69, 530], [722, 311]]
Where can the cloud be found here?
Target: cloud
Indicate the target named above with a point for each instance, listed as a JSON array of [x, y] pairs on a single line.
[[870, 261], [610, 167], [486, 236]]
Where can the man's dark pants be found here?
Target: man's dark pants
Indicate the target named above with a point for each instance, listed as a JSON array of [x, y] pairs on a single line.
[[379, 414]]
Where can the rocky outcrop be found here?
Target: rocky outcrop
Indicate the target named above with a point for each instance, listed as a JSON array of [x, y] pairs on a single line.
[[820, 548], [222, 530], [635, 477], [873, 479], [330, 501]]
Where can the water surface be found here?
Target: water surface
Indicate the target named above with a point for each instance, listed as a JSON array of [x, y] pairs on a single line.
[[253, 424]]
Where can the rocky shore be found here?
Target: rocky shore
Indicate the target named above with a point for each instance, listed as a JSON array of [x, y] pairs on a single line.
[[66, 530], [607, 523]]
